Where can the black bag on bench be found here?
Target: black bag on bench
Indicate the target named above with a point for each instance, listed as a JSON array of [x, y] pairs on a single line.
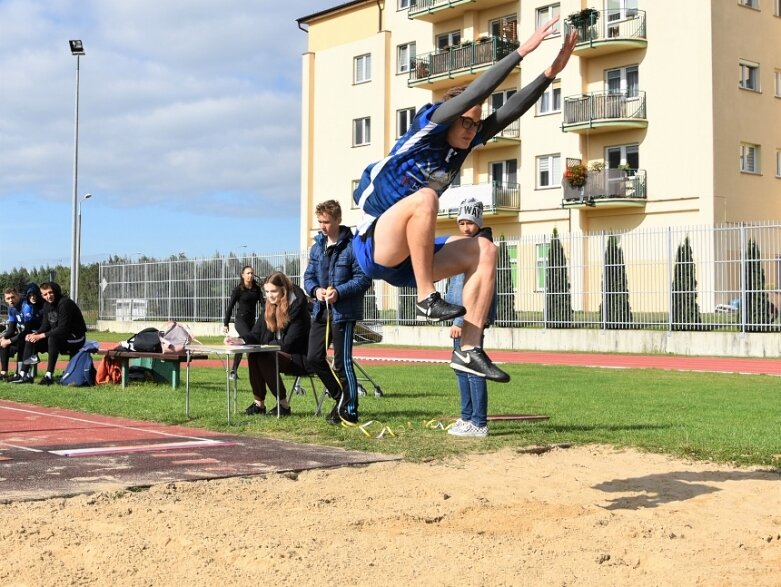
[[146, 341]]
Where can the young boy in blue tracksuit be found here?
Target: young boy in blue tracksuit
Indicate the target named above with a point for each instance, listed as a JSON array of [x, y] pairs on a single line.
[[335, 280]]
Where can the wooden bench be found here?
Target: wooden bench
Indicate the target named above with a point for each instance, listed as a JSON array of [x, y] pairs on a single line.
[[166, 365]]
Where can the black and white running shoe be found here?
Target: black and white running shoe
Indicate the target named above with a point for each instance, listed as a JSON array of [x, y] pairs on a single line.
[[476, 362], [435, 309]]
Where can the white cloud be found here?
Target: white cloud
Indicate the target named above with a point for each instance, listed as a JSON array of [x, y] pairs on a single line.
[[185, 103]]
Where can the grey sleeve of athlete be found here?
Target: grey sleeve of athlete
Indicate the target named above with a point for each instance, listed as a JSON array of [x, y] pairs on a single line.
[[477, 91], [515, 106]]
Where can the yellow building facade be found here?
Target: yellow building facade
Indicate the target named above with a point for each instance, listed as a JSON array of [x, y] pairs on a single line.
[[672, 110]]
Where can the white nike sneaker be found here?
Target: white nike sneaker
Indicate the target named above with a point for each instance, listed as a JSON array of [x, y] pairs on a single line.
[[476, 362]]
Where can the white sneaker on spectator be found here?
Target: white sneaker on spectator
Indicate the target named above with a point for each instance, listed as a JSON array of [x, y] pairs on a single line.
[[458, 427], [470, 430]]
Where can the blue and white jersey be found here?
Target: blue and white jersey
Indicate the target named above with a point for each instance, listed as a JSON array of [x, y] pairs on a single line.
[[31, 316], [421, 158]]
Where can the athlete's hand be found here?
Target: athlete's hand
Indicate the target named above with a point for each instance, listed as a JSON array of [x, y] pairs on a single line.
[[4, 342], [534, 41], [563, 57], [455, 331]]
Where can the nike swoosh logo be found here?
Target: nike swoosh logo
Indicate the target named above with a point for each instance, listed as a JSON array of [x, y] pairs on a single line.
[[464, 358]]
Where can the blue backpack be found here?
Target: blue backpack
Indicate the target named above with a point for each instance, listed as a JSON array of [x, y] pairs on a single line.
[[80, 371]]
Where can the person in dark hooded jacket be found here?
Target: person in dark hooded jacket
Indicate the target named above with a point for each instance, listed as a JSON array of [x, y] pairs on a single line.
[[63, 328]]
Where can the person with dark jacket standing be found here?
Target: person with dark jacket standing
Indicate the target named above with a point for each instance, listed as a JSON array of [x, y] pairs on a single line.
[[285, 322], [63, 328], [338, 285], [247, 294]]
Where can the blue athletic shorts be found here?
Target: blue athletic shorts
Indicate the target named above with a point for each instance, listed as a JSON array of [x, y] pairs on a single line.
[[401, 275]]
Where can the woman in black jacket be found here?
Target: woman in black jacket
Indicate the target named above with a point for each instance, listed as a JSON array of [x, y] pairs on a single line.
[[247, 294], [286, 323]]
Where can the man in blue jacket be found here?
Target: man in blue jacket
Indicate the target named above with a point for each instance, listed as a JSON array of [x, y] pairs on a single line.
[[337, 283]]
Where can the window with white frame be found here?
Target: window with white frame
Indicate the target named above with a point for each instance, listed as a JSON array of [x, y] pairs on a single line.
[[778, 163], [504, 173], [498, 99], [749, 76], [404, 118], [777, 10], [450, 39], [549, 171], [354, 186], [749, 3], [505, 27], [546, 13], [749, 158], [621, 10], [405, 57], [404, 4], [362, 69], [623, 156], [623, 80], [550, 101], [542, 264], [361, 131], [777, 80]]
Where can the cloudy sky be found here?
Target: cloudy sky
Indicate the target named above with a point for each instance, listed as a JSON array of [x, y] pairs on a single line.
[[189, 127]]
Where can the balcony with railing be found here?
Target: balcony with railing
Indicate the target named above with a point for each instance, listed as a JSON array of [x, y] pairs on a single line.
[[438, 10], [507, 137], [436, 70], [609, 31], [600, 112], [498, 198], [607, 188]]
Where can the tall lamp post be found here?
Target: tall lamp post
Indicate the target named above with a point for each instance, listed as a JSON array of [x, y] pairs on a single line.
[[77, 49], [75, 292]]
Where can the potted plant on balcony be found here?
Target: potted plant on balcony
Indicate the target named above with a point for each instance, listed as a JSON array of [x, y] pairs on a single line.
[[576, 175], [421, 70], [583, 18]]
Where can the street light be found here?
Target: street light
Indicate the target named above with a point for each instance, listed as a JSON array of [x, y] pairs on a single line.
[[75, 292], [77, 49]]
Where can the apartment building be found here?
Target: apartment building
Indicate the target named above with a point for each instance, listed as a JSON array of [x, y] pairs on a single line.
[[669, 113]]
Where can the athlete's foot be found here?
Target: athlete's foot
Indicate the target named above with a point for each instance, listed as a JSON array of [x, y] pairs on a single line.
[[476, 362], [435, 309]]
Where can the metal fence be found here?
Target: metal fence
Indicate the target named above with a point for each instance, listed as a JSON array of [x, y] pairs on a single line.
[[676, 278]]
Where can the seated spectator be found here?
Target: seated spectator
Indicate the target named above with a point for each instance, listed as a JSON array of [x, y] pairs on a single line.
[[285, 322], [24, 317], [10, 336], [62, 330]]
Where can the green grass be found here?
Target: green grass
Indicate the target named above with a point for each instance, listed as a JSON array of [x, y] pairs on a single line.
[[719, 417]]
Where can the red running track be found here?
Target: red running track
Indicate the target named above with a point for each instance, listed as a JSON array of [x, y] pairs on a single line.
[[382, 354]]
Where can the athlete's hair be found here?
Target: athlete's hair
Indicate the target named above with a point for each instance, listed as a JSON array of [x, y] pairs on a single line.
[[276, 314], [330, 207], [453, 92]]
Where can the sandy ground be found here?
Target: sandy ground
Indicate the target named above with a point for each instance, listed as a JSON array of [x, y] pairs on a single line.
[[579, 516]]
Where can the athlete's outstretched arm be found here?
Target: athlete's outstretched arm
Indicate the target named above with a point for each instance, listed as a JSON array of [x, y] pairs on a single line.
[[521, 101], [482, 87]]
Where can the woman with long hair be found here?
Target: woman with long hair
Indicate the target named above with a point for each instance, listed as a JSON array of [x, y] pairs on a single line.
[[286, 323], [245, 297]]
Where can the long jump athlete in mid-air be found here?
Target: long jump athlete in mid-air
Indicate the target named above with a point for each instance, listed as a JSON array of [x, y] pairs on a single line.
[[399, 196]]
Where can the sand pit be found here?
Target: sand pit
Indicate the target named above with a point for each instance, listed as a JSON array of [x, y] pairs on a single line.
[[578, 516]]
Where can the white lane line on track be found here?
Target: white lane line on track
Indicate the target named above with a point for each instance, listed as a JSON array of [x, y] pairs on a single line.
[[107, 425], [99, 450]]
